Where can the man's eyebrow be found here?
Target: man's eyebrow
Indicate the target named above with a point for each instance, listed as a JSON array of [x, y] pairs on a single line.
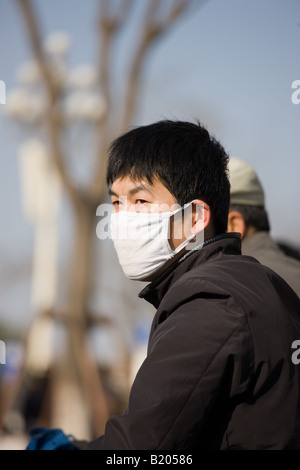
[[140, 187], [136, 189], [112, 193]]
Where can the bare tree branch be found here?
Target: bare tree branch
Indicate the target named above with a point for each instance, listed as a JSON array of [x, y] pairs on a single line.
[[152, 31], [177, 10], [53, 91], [109, 25]]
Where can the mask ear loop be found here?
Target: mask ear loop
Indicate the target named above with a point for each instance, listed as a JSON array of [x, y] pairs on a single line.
[[190, 237]]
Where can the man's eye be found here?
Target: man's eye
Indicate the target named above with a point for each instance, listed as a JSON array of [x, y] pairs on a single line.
[[115, 203], [141, 201]]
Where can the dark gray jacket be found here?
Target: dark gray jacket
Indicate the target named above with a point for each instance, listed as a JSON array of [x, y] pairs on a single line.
[[261, 246], [219, 373]]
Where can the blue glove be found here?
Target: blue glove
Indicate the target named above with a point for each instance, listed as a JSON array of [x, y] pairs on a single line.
[[49, 439]]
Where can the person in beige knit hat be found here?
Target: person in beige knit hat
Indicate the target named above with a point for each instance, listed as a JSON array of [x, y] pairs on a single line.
[[248, 216]]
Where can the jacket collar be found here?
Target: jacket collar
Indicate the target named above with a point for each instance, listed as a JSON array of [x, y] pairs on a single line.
[[226, 243]]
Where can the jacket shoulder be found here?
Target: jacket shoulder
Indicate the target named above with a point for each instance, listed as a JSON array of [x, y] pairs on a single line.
[[238, 283]]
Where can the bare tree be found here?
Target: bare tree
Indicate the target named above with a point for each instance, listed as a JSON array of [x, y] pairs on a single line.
[[77, 366]]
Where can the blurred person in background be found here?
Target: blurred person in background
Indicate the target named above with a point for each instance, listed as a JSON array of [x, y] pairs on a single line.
[[249, 217], [218, 372]]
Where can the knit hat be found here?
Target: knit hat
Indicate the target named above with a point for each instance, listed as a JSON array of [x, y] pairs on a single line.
[[246, 189]]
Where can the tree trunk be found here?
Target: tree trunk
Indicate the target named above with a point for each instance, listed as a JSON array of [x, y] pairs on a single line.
[[78, 400]]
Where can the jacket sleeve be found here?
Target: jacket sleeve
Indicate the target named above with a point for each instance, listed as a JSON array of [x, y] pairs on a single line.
[[190, 355]]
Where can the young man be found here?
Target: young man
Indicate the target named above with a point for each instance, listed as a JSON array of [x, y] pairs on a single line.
[[248, 216], [219, 373]]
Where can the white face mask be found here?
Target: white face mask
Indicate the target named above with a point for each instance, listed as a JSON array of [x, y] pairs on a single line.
[[141, 241]]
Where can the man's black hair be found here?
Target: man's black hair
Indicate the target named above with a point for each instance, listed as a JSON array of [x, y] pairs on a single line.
[[183, 156], [254, 216]]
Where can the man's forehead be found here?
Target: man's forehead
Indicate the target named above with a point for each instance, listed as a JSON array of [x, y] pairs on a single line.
[[128, 185]]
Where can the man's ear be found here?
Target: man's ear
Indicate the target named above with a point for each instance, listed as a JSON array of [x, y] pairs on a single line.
[[201, 216], [236, 223]]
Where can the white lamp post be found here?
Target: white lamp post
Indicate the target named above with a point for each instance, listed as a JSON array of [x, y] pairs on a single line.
[[41, 195]]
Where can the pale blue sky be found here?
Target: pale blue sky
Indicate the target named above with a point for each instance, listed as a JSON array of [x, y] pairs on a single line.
[[229, 64]]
